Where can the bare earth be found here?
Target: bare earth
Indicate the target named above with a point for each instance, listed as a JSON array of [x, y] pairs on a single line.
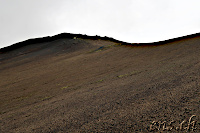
[[83, 85]]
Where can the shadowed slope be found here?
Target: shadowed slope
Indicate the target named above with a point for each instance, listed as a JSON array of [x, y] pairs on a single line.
[[91, 85]]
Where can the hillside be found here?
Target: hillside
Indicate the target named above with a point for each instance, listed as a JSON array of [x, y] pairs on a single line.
[[77, 83]]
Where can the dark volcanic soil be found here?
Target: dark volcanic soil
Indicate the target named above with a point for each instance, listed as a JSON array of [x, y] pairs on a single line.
[[83, 85]]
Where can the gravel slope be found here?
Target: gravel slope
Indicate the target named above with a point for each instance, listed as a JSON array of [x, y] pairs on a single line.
[[83, 85]]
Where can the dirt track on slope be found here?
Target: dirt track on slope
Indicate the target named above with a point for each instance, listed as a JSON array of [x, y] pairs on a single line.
[[83, 85]]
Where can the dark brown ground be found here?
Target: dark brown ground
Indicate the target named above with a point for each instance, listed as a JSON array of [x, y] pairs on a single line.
[[88, 85]]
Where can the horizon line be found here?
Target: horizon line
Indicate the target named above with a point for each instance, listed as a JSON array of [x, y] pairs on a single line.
[[84, 36]]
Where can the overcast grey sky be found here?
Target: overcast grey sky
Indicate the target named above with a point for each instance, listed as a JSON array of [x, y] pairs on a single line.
[[126, 20]]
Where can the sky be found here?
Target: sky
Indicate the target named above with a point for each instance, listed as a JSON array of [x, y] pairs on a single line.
[[133, 21]]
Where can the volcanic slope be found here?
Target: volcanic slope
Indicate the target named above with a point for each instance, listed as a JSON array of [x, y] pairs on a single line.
[[94, 85]]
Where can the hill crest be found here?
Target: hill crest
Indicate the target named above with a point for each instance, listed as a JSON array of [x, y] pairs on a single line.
[[71, 36]]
